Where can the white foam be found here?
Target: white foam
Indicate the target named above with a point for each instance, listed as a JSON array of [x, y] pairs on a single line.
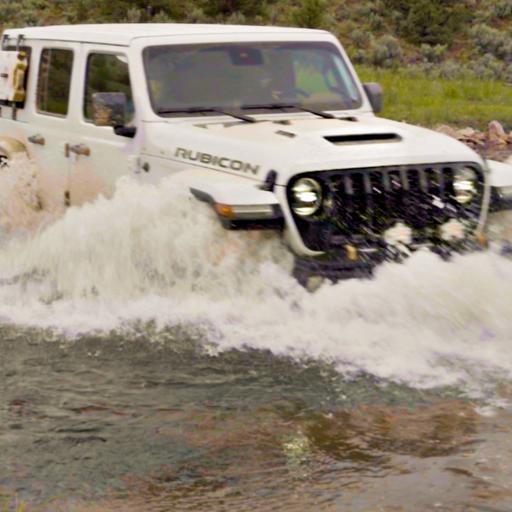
[[26, 199], [155, 254]]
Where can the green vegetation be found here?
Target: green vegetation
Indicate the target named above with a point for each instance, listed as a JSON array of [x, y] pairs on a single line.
[[471, 33], [429, 21], [461, 37], [9, 504], [440, 61], [420, 100]]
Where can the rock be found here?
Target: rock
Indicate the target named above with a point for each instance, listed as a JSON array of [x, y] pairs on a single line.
[[497, 135], [467, 133], [447, 130], [472, 137]]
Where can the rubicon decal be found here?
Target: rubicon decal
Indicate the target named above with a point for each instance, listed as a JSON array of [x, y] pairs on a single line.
[[216, 161]]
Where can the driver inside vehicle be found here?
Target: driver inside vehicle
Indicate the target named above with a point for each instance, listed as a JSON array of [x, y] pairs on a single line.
[[208, 78], [236, 76]]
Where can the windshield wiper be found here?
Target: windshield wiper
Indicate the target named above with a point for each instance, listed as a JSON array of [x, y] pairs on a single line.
[[201, 110], [282, 106]]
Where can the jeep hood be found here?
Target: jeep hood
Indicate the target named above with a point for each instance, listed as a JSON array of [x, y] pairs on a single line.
[[301, 145]]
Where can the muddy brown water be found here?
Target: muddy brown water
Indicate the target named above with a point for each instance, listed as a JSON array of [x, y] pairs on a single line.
[[113, 423]]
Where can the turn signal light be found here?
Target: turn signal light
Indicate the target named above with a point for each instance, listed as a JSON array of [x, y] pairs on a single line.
[[225, 210], [245, 212], [482, 240]]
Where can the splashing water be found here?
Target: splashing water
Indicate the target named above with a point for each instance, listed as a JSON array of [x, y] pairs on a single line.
[[27, 197], [152, 253]]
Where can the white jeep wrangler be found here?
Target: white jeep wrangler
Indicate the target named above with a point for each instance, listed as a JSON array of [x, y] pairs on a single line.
[[271, 126]]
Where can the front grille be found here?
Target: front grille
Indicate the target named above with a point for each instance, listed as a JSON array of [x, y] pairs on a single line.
[[360, 204]]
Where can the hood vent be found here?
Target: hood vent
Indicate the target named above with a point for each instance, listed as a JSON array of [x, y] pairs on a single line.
[[364, 138]]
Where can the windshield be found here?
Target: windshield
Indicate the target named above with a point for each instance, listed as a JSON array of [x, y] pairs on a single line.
[[236, 76]]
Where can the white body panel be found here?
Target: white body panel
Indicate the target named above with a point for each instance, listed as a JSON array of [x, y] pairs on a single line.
[[264, 146], [501, 173]]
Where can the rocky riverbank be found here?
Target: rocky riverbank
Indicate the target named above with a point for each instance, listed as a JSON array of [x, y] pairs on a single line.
[[494, 143]]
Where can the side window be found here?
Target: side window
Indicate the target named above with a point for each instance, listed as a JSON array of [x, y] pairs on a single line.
[[54, 81], [107, 73]]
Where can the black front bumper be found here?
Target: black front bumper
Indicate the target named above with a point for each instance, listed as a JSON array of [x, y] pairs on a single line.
[[332, 270], [339, 266]]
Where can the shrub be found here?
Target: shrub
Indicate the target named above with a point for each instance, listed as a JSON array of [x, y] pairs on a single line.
[[134, 15], [502, 9], [360, 37], [195, 15], [80, 11], [488, 67], [386, 52], [451, 70], [359, 57], [364, 10], [311, 14], [376, 22], [28, 13], [507, 73], [489, 40], [429, 21], [116, 10], [162, 17], [237, 18], [433, 53], [249, 8]]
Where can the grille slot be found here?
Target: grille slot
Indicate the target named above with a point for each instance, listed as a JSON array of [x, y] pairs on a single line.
[[366, 202]]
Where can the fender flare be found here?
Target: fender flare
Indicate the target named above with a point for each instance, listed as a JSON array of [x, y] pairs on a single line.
[[239, 203]]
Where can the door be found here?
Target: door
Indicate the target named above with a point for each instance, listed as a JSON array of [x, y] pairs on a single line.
[[50, 120], [99, 156]]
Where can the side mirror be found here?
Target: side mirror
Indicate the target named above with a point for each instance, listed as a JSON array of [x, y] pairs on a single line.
[[109, 109], [374, 93]]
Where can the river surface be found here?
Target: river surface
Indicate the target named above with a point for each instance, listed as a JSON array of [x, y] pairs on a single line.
[[150, 361]]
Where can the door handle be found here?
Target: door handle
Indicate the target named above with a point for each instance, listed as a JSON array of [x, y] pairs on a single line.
[[79, 149], [37, 139]]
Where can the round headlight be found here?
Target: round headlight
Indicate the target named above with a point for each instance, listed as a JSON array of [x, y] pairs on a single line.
[[306, 197], [464, 185]]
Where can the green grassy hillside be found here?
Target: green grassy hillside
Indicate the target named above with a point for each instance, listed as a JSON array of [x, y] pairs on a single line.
[[440, 61], [418, 99], [443, 36]]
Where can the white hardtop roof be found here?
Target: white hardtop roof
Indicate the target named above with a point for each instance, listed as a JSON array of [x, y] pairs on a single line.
[[124, 33]]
